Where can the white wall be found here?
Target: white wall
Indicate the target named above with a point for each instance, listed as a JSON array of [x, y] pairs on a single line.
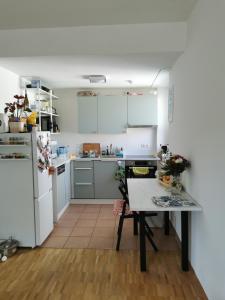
[[163, 124], [131, 141], [9, 86], [197, 132]]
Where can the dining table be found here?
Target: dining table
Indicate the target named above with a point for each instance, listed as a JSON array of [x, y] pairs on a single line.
[[141, 192]]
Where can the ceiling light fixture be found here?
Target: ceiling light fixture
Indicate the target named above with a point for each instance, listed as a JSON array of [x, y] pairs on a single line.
[[97, 78]]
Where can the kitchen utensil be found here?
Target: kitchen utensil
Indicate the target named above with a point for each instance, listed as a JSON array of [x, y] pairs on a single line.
[[62, 151], [87, 147]]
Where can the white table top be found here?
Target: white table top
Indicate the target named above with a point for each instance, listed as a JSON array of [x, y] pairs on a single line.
[[141, 191]]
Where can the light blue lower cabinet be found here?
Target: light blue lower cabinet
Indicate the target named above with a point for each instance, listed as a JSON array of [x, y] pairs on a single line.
[[67, 183], [94, 179], [61, 192], [106, 187], [83, 179], [84, 190]]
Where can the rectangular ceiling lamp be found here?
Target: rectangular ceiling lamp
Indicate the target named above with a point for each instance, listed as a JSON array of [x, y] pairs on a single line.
[[97, 79]]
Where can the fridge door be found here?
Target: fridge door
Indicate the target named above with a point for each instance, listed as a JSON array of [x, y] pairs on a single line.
[[41, 161], [16, 187], [43, 217]]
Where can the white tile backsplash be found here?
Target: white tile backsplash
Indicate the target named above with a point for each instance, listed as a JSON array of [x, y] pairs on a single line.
[[140, 141]]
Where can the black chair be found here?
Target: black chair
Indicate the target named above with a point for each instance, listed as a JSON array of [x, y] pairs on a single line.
[[132, 215]]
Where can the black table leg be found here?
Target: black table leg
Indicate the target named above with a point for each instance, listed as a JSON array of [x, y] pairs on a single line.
[[126, 176], [135, 224], [142, 241], [166, 223], [184, 240]]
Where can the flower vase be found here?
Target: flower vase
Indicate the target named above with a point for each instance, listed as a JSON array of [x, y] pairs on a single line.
[[16, 127], [176, 184]]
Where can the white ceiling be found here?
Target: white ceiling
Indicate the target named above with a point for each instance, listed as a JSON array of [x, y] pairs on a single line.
[[69, 71], [58, 13], [62, 55]]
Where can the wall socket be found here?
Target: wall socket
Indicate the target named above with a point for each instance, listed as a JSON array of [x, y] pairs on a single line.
[[145, 146]]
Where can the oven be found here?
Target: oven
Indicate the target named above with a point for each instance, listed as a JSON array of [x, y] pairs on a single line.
[[147, 168]]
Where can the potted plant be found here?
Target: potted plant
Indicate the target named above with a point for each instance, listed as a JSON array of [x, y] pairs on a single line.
[[16, 111]]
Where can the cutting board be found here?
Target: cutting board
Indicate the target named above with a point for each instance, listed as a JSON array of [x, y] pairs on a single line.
[[92, 147]]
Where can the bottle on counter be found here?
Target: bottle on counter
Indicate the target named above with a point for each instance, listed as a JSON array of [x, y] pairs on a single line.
[[121, 152], [26, 101]]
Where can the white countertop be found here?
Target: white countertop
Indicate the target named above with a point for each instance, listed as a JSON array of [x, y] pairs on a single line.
[[126, 157], [98, 158], [141, 157], [142, 190]]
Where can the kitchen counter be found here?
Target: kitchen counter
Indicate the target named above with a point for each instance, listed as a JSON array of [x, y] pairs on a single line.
[[126, 157], [98, 158], [141, 157]]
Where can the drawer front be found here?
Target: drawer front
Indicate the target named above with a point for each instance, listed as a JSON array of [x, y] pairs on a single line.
[[83, 176], [83, 164], [83, 172], [83, 191]]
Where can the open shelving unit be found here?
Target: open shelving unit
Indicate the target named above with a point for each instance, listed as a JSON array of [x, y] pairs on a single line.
[[48, 97], [39, 96]]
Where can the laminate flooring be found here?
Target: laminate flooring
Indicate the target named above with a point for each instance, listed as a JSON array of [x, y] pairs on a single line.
[[91, 269]]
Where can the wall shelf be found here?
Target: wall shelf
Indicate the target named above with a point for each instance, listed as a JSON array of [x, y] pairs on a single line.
[[14, 145], [13, 159]]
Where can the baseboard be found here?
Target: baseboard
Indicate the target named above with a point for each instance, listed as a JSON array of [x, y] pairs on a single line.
[[92, 201], [62, 211], [190, 266], [176, 235]]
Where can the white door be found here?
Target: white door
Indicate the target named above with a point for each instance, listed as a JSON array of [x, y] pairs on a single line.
[[43, 217]]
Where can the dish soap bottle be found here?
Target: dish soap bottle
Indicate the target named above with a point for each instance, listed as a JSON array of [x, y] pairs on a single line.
[[121, 152], [107, 150]]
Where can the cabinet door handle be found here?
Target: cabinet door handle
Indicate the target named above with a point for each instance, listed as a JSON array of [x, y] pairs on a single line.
[[84, 183], [83, 168]]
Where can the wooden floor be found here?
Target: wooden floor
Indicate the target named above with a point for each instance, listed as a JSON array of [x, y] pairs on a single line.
[[66, 274]]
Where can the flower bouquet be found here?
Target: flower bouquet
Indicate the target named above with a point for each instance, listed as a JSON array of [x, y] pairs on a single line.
[[172, 169]]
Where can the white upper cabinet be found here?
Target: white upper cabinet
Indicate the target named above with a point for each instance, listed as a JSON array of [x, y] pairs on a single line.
[[112, 114], [87, 114], [142, 110]]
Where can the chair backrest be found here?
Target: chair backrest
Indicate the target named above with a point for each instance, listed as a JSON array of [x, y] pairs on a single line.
[[123, 191]]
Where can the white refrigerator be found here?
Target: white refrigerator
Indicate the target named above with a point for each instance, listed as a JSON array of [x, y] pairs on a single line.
[[26, 204]]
